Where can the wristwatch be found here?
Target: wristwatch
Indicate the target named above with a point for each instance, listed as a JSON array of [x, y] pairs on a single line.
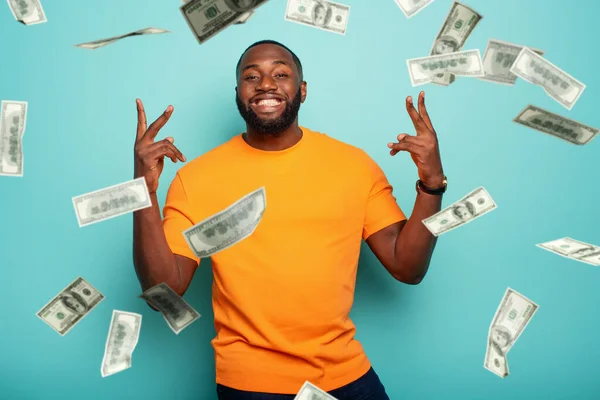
[[436, 192]]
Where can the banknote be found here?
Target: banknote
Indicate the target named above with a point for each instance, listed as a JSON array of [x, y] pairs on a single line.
[[458, 25], [176, 311], [27, 12], [498, 57], [123, 335], [206, 18], [69, 307], [13, 118], [559, 85], [227, 227], [103, 42], [573, 249], [321, 14], [512, 316], [464, 63], [470, 207], [412, 7], [555, 125], [308, 391], [244, 17], [111, 202]]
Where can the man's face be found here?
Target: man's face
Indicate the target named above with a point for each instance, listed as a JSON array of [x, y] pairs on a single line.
[[269, 90], [500, 338], [244, 3], [320, 15]]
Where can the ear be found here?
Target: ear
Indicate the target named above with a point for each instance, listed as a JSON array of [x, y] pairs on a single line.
[[303, 91]]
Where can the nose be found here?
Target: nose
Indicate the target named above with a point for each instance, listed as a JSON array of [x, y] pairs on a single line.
[[267, 84]]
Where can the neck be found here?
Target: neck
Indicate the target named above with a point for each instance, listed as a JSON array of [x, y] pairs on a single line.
[[281, 141]]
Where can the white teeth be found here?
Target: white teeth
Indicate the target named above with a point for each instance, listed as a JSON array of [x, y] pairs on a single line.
[[268, 102]]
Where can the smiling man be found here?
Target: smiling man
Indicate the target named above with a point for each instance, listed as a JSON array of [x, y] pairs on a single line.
[[282, 296]]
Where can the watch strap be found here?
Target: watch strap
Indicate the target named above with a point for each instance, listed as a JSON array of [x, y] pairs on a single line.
[[432, 191]]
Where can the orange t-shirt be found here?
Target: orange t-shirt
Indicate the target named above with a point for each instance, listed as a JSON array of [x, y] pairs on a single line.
[[282, 296]]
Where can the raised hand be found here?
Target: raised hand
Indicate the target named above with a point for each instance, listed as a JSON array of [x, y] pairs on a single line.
[[423, 147], [148, 154]]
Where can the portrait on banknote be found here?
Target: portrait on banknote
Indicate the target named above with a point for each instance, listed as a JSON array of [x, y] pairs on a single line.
[[74, 303], [321, 15], [464, 211], [241, 5], [445, 45]]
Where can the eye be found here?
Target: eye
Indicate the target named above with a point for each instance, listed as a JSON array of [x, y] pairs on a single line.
[[250, 77], [281, 75]]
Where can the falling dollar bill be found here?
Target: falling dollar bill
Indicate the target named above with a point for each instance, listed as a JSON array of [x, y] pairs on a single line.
[[206, 18], [559, 85], [13, 118], [111, 202], [458, 25], [69, 307], [321, 14], [227, 227], [555, 125], [574, 249], [512, 316], [176, 311], [464, 63], [27, 12], [412, 7], [308, 391], [123, 335], [103, 42], [470, 207], [498, 57]]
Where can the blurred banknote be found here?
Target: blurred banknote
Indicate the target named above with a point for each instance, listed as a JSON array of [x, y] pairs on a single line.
[[111, 202], [206, 18], [559, 85], [13, 118], [69, 307], [498, 57], [574, 249], [227, 227], [464, 63], [556, 125], [326, 15], [176, 311], [308, 391], [512, 316], [412, 7], [123, 335], [103, 42], [244, 17], [470, 207], [28, 12], [458, 25]]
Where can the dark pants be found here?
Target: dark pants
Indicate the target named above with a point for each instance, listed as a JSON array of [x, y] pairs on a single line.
[[367, 387]]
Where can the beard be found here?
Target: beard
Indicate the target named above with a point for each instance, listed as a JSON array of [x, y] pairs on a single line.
[[273, 126]]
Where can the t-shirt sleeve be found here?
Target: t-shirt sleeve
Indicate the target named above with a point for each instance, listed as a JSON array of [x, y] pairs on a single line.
[[177, 218], [382, 208]]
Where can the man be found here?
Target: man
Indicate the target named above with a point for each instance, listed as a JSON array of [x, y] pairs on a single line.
[[282, 296]]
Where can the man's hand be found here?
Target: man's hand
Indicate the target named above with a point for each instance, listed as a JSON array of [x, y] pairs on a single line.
[[149, 155], [423, 147]]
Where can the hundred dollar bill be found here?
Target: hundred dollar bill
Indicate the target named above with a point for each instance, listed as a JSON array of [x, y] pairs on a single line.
[[464, 63], [227, 227], [13, 118], [470, 207], [512, 316], [559, 85], [111, 202], [27, 12], [69, 307], [103, 42], [176, 311], [308, 391], [206, 18], [574, 249], [458, 25], [563, 128], [321, 14], [123, 335], [498, 57], [412, 7]]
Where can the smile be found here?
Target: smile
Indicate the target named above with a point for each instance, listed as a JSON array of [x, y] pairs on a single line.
[[267, 105]]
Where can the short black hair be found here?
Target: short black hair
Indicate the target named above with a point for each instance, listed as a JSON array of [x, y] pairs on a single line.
[[294, 56]]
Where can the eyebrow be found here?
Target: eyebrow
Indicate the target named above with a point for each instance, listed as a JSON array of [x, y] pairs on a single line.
[[256, 65]]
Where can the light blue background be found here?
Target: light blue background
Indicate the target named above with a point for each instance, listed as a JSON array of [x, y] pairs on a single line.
[[426, 341]]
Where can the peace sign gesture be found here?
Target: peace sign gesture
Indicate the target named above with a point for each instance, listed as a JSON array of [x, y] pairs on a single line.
[[423, 147], [148, 154]]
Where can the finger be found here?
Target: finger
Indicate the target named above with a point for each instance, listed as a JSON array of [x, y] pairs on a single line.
[[164, 144], [412, 144], [159, 152], [158, 124], [414, 115], [423, 112], [141, 126]]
